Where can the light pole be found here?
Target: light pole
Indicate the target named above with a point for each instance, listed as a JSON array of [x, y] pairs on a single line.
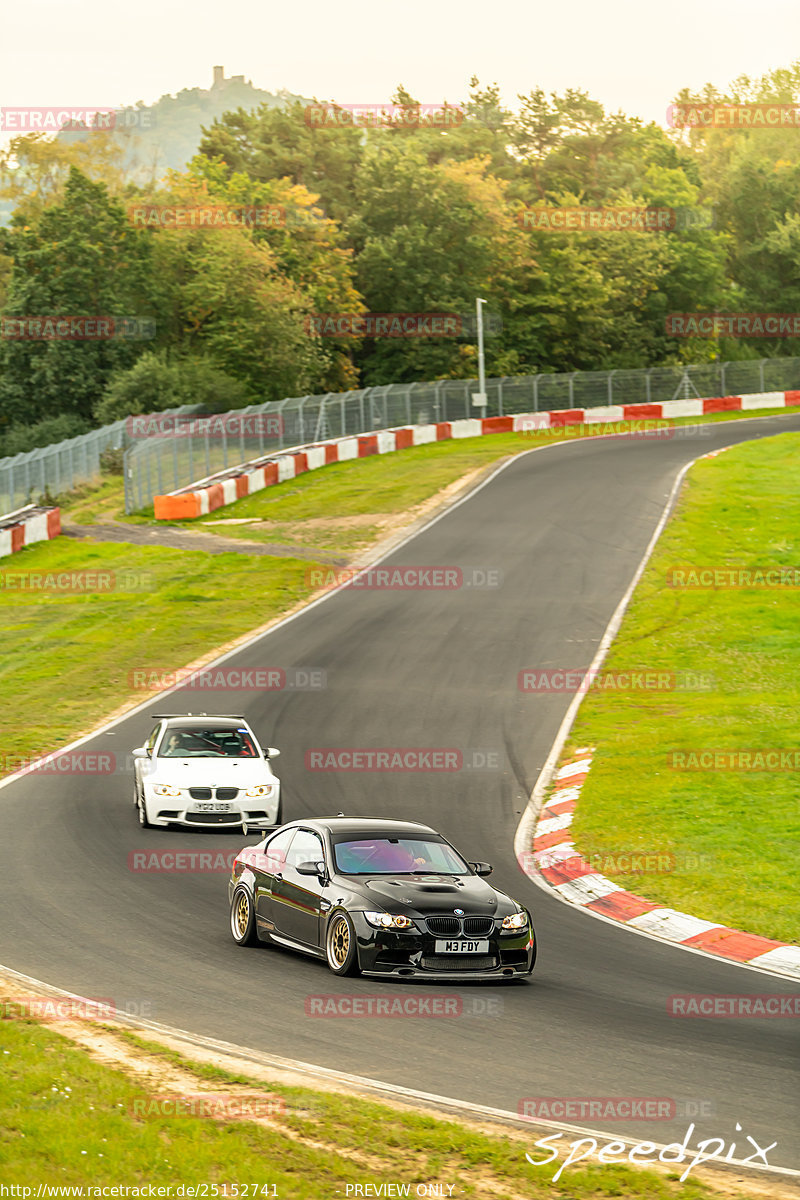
[[479, 398]]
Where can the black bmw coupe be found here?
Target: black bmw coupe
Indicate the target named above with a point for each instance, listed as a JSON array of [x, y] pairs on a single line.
[[378, 897]]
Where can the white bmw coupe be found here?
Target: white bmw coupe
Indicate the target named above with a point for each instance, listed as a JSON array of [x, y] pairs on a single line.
[[204, 771]]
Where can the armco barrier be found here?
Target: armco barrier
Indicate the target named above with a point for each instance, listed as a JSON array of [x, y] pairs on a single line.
[[207, 495], [27, 525]]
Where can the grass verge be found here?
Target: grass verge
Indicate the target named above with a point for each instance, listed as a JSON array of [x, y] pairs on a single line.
[[731, 655], [68, 1119]]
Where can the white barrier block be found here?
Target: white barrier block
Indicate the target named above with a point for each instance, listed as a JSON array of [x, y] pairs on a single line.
[[203, 494], [228, 491], [682, 408], [466, 428], [36, 529], [285, 467], [424, 434], [348, 448], [527, 422], [255, 481], [610, 412], [764, 400], [315, 457], [387, 441], [5, 542]]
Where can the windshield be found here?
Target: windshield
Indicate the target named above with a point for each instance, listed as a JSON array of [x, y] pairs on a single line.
[[203, 742], [397, 856]]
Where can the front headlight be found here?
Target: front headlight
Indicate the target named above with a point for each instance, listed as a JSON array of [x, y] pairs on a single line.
[[166, 789], [383, 920], [516, 921], [261, 789]]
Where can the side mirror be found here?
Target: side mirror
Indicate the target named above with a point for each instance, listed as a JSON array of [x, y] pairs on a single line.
[[270, 751], [310, 868], [482, 868], [141, 752]]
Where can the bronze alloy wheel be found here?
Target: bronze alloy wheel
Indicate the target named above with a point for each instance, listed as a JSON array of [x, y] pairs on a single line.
[[243, 926], [340, 945]]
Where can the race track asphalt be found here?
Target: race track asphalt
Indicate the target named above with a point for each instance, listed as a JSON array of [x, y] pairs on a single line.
[[564, 529]]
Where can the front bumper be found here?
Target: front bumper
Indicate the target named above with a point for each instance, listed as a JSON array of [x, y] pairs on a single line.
[[186, 811], [398, 955]]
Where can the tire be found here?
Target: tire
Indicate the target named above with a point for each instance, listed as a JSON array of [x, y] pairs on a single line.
[[243, 918], [141, 810], [340, 945]]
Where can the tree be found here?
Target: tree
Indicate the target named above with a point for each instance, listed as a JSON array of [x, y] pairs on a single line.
[[80, 259]]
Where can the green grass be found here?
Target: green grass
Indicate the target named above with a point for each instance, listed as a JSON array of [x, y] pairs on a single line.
[[67, 1119], [736, 834], [67, 658]]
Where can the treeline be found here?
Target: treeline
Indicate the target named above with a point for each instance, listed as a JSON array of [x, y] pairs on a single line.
[[309, 211]]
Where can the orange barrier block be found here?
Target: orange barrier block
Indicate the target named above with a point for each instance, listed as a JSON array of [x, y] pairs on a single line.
[[177, 508]]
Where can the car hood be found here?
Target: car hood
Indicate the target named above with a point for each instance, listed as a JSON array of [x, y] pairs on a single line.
[[211, 772], [440, 894]]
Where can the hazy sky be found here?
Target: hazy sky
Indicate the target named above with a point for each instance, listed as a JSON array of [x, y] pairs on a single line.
[[629, 54]]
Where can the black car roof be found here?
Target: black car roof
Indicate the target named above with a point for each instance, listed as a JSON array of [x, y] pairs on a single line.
[[364, 825]]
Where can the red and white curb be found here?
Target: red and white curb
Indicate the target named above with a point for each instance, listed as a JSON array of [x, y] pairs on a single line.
[[207, 495], [26, 526], [556, 859]]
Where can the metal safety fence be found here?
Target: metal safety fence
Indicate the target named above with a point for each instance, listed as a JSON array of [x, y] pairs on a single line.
[[165, 456], [56, 469]]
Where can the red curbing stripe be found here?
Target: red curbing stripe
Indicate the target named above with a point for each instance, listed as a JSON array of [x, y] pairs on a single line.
[[331, 452], [242, 486], [17, 537], [367, 445], [732, 943], [404, 438], [270, 473], [566, 416], [622, 906], [555, 810], [54, 522], [300, 463], [791, 398], [570, 781], [565, 872], [444, 430], [722, 404], [545, 840]]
